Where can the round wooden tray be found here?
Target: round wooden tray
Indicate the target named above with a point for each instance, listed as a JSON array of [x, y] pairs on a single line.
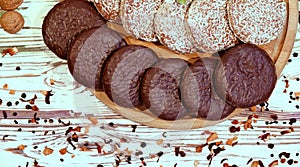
[[278, 49]]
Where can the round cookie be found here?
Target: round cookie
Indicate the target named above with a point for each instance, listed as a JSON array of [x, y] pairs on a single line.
[[12, 22], [160, 89], [138, 18], [109, 9], [255, 21], [198, 94], [123, 73], [196, 89], [247, 75], [66, 20], [10, 4], [208, 25], [89, 52], [171, 28]]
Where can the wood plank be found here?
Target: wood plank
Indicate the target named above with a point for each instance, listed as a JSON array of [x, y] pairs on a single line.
[[73, 102]]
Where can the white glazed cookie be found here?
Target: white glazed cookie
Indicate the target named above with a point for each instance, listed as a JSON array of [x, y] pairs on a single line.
[[109, 9], [171, 27], [209, 27], [137, 18], [256, 21]]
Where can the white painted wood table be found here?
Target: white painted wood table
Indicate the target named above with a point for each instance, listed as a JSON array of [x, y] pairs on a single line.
[[108, 139]]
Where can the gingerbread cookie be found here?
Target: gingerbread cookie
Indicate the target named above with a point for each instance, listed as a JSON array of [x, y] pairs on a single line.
[[12, 22], [10, 4]]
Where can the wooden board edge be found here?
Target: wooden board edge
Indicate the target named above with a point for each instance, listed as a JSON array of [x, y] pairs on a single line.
[[145, 118], [291, 30]]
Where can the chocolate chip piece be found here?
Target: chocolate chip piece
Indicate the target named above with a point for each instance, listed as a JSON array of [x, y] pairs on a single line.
[[143, 144], [9, 104], [23, 95], [271, 146]]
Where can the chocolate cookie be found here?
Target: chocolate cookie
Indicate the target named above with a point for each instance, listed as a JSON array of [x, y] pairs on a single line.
[[88, 53], [198, 94], [12, 22], [219, 109], [160, 89], [247, 75], [66, 20], [123, 73]]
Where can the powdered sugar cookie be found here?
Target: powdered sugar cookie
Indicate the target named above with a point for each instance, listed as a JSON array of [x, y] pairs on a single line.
[[208, 24], [255, 21], [109, 9], [138, 18], [171, 27]]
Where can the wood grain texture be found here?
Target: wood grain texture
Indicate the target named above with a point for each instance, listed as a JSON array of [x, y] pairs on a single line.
[[73, 102]]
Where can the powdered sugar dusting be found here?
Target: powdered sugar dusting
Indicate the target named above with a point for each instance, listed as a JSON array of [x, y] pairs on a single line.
[[109, 9], [256, 21], [138, 18], [171, 28], [208, 24]]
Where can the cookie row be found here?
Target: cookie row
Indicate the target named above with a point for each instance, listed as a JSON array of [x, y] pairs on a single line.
[[100, 59], [134, 77], [11, 21], [198, 25]]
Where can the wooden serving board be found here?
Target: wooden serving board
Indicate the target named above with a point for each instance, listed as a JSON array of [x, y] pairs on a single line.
[[279, 50]]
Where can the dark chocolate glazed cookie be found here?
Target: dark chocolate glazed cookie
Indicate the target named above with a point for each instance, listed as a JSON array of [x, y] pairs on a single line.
[[198, 94], [247, 75], [123, 73], [66, 20], [89, 52], [219, 107], [196, 89], [160, 89]]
